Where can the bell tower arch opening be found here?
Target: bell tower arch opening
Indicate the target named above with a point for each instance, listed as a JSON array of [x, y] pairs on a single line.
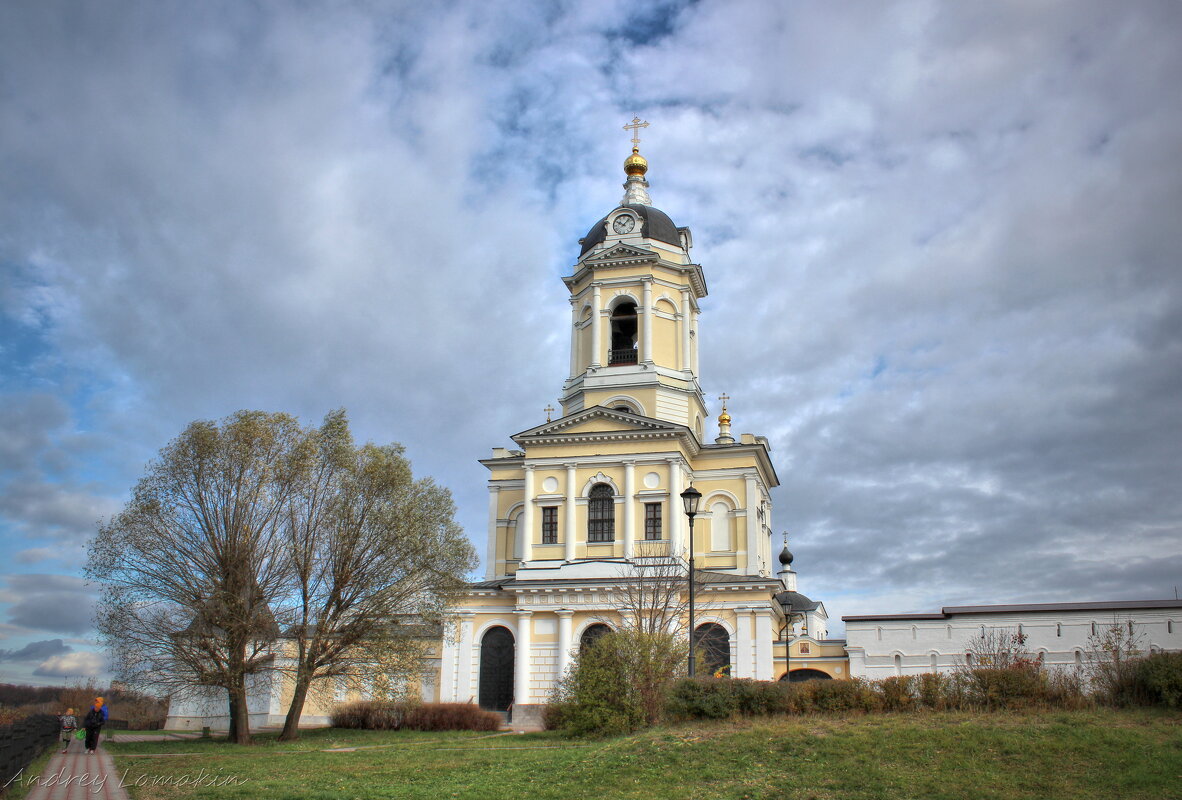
[[625, 334]]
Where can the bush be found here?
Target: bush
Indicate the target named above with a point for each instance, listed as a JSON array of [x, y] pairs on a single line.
[[932, 690], [1158, 679], [898, 693], [390, 715], [618, 684]]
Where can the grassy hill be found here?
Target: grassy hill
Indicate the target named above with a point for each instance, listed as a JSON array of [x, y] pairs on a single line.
[[1095, 754]]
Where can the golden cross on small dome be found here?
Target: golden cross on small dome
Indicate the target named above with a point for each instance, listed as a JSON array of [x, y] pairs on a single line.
[[635, 127], [549, 410], [724, 397]]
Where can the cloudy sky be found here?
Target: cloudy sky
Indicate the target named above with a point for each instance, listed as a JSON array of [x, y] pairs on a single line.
[[942, 242]]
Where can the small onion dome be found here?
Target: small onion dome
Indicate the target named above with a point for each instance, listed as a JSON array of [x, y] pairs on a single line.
[[635, 164], [724, 418], [786, 556]]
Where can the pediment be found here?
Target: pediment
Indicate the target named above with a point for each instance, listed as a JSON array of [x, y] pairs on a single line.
[[621, 253], [600, 421]]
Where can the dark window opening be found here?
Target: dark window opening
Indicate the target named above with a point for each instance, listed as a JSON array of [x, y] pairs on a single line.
[[601, 514], [592, 634], [549, 525], [652, 521], [624, 335]]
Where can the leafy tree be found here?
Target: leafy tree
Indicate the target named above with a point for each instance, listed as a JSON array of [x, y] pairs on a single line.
[[375, 558], [191, 565]]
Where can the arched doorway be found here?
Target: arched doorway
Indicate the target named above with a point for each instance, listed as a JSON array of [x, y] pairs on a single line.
[[592, 634], [714, 644], [799, 675], [496, 669]]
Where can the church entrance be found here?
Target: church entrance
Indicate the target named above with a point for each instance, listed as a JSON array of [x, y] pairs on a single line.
[[496, 669], [799, 675]]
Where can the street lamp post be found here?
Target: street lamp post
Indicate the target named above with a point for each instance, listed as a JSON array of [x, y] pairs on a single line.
[[691, 497]]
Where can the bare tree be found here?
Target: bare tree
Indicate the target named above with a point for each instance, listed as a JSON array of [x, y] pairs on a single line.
[[1112, 656], [192, 564], [376, 558], [652, 594]]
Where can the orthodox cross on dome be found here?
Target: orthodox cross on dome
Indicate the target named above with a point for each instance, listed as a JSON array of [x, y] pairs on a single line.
[[635, 125], [549, 410], [724, 397]]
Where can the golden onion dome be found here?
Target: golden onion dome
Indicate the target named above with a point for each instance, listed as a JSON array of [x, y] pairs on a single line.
[[724, 418], [635, 164]]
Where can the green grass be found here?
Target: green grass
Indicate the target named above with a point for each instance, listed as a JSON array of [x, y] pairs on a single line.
[[1096, 754]]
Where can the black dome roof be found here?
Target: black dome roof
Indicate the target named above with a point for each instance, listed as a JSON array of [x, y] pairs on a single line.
[[654, 224], [798, 600]]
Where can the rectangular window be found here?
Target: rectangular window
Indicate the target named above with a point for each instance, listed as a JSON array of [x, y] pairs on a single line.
[[652, 521], [601, 511], [549, 525]]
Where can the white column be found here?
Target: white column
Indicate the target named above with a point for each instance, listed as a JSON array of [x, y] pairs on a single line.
[[765, 667], [744, 644], [694, 340], [685, 329], [595, 327], [521, 665], [647, 333], [629, 508], [574, 336], [447, 662], [527, 516], [490, 559], [676, 512], [568, 532], [564, 644], [752, 520], [464, 689]]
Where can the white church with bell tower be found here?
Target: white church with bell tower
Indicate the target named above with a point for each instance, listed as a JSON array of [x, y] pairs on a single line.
[[588, 499]]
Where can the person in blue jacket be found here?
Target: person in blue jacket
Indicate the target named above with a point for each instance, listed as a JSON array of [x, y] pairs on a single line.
[[93, 722]]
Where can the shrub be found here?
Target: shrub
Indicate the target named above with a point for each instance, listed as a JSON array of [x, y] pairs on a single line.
[[1113, 658], [854, 694], [932, 689], [1158, 679], [702, 698], [390, 715], [451, 717], [599, 696], [898, 692]]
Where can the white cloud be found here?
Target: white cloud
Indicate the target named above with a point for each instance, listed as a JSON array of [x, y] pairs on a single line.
[[82, 664], [939, 240]]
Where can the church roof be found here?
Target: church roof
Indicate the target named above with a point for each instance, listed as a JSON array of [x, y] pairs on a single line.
[[654, 224], [1028, 608], [799, 601]]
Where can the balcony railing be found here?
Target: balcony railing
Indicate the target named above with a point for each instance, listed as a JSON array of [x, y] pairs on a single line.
[[624, 356]]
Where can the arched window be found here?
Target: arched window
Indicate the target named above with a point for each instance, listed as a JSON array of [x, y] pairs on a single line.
[[1169, 626], [1059, 629], [601, 514], [914, 632], [878, 630], [898, 664], [935, 662], [714, 647], [624, 339], [949, 631], [592, 634]]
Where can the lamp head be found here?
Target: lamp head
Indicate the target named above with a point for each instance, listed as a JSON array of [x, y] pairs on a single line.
[[691, 497]]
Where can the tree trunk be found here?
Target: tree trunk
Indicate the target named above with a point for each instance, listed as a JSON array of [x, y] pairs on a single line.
[[233, 732], [241, 719], [291, 725]]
